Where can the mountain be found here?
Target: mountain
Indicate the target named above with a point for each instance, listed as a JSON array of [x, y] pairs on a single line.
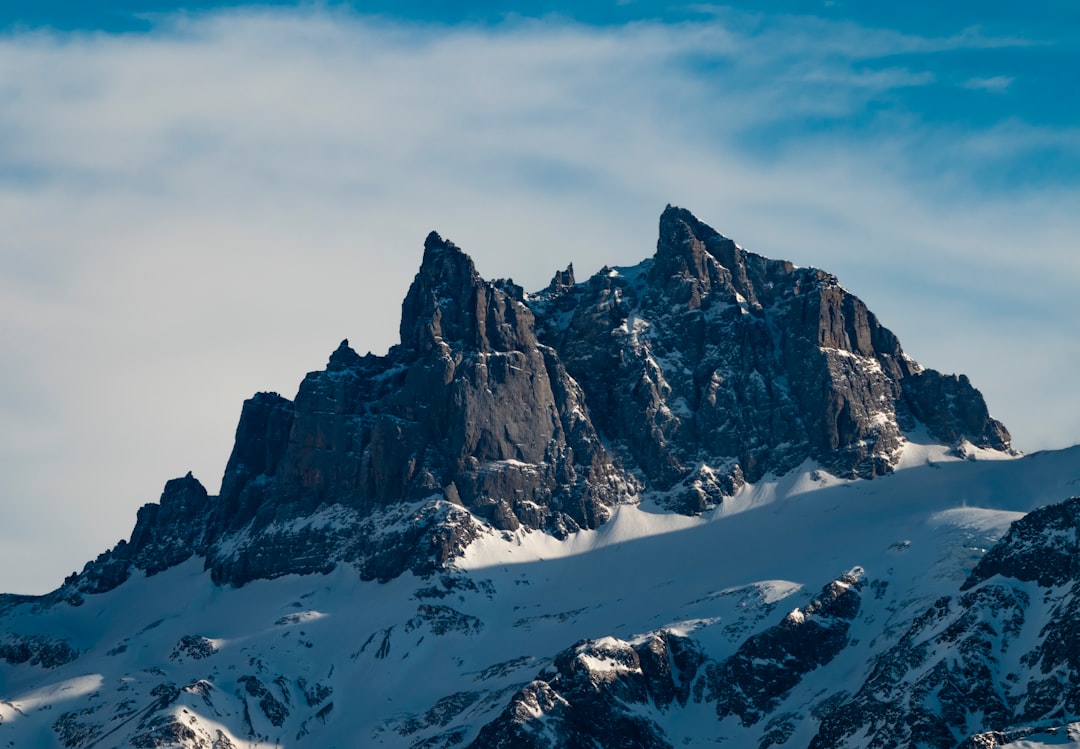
[[705, 498]]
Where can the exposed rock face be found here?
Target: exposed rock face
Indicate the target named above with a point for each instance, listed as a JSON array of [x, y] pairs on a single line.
[[261, 437], [767, 666], [589, 696], [704, 367], [470, 408], [36, 650], [1043, 546], [165, 535], [709, 365]]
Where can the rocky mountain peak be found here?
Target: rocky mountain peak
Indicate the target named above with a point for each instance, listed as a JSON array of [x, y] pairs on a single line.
[[505, 419], [683, 265], [708, 366], [441, 305], [445, 263], [680, 379], [562, 280], [693, 260], [344, 357], [450, 305]]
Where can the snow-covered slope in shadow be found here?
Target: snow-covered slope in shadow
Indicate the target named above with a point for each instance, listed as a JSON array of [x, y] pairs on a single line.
[[529, 632]]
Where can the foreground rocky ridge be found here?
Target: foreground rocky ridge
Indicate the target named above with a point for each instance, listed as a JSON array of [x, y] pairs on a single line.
[[680, 379], [991, 664]]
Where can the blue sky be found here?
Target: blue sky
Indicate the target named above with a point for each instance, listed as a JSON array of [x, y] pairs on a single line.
[[199, 201]]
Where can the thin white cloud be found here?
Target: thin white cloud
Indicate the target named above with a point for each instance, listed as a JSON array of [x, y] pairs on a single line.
[[806, 37], [995, 84], [203, 211]]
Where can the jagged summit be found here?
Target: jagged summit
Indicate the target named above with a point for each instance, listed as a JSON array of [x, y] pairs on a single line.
[[702, 368], [562, 280], [720, 366], [441, 304], [344, 357], [692, 259]]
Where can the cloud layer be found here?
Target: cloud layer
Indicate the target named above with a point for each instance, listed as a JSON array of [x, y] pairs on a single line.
[[202, 211]]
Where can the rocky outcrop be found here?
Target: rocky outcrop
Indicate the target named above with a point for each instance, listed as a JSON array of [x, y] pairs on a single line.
[[36, 650], [1043, 546], [261, 437], [165, 534], [942, 676], [593, 693], [953, 410], [967, 672], [471, 410], [767, 666]]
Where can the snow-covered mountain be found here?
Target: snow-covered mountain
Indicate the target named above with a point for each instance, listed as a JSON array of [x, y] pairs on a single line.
[[704, 499]]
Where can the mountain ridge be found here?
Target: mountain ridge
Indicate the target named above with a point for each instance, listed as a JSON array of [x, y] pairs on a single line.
[[705, 497], [512, 407]]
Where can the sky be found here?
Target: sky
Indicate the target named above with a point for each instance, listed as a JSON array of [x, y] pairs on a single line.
[[199, 201]]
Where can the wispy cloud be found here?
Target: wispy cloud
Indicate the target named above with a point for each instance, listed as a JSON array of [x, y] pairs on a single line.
[[204, 210], [995, 84]]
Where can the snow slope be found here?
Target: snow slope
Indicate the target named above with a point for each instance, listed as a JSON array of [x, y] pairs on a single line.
[[331, 661]]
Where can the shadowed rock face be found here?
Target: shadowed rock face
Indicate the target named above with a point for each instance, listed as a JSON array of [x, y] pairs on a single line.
[[767, 666], [1043, 546], [702, 367], [470, 409], [165, 534]]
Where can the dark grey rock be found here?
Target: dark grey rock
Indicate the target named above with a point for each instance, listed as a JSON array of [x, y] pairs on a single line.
[[443, 619], [708, 366], [942, 674], [768, 665], [957, 668], [591, 696], [271, 707], [195, 647], [36, 650], [165, 534]]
